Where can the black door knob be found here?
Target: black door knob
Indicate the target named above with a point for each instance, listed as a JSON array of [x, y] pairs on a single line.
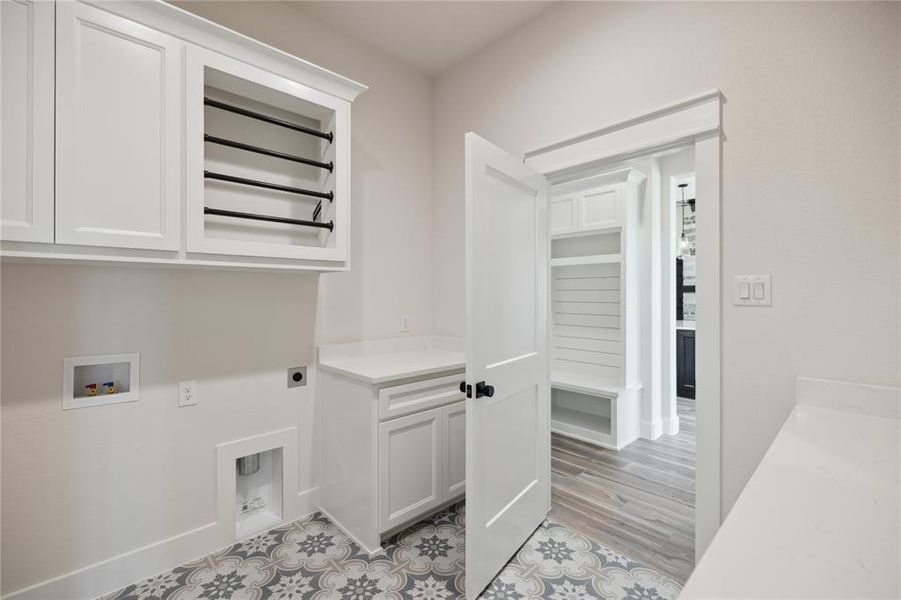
[[483, 389]]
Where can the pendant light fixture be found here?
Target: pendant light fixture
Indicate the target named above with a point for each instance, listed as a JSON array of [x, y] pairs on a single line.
[[683, 243]]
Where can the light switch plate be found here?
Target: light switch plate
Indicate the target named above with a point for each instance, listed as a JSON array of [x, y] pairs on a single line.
[[753, 290]]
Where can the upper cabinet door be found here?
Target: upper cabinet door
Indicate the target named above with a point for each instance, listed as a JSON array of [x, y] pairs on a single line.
[[563, 215], [26, 60], [601, 208], [119, 114]]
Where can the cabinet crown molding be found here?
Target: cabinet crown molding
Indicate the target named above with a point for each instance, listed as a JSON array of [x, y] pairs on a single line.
[[213, 36]]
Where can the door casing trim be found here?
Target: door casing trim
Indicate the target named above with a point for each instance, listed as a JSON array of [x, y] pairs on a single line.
[[695, 121]]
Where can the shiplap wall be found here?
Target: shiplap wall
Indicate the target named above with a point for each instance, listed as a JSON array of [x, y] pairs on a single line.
[[588, 336]]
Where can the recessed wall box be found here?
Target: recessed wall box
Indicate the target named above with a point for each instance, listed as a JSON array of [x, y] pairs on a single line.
[[96, 380]]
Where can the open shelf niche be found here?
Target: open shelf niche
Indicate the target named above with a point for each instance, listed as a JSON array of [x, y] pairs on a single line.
[[595, 389], [268, 164]]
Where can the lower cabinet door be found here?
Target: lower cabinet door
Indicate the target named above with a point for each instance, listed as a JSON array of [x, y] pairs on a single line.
[[685, 363], [410, 467], [454, 420]]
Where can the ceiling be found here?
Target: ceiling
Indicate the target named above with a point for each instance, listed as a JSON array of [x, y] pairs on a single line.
[[430, 36]]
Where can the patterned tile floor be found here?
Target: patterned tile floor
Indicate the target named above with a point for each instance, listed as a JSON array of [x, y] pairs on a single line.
[[311, 558]]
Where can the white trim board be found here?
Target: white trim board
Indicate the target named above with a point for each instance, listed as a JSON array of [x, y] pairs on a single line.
[[679, 123], [693, 121]]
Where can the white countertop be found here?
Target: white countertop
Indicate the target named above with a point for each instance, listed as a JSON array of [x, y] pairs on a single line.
[[385, 361], [685, 325], [820, 516]]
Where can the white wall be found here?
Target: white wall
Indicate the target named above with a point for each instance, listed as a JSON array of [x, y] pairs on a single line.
[[86, 485], [391, 173], [810, 170]]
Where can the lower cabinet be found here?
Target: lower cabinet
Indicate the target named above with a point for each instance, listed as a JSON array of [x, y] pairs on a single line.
[[685, 363], [421, 463], [392, 450]]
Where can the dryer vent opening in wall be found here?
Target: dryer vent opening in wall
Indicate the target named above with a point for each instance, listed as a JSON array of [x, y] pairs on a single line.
[[258, 491]]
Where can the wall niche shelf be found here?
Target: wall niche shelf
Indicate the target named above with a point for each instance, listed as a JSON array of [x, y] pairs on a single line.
[[99, 380]]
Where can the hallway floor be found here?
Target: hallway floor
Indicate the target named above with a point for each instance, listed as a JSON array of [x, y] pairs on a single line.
[[638, 501], [311, 558]]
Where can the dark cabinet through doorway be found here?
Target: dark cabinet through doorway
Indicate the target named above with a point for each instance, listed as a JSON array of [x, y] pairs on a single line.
[[685, 363]]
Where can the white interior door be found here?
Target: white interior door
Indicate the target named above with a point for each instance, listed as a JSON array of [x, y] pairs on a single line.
[[507, 427]]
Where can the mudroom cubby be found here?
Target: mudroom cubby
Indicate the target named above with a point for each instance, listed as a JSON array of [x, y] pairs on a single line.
[[267, 163], [594, 310]]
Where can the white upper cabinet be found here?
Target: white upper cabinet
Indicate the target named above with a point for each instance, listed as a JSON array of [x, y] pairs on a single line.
[[26, 70], [133, 131], [118, 109], [564, 215], [268, 163], [601, 208], [587, 210]]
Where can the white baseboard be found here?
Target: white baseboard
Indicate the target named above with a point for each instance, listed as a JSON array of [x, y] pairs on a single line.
[[126, 568], [308, 503], [129, 567], [671, 426], [859, 398], [651, 430], [370, 551]]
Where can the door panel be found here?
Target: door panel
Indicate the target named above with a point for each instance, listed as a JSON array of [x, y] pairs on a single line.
[[685, 363], [507, 434], [409, 467], [26, 69], [119, 112]]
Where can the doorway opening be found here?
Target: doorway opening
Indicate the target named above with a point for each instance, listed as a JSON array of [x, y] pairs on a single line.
[[622, 421]]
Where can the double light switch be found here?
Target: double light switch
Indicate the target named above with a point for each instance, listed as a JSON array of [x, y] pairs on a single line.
[[753, 290]]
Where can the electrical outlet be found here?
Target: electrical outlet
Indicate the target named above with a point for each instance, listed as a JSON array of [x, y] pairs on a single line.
[[187, 393], [256, 504], [405, 323]]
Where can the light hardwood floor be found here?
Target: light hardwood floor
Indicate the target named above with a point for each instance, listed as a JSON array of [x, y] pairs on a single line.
[[638, 501]]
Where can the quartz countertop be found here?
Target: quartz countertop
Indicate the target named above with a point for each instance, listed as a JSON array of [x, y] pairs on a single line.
[[384, 361], [820, 516]]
